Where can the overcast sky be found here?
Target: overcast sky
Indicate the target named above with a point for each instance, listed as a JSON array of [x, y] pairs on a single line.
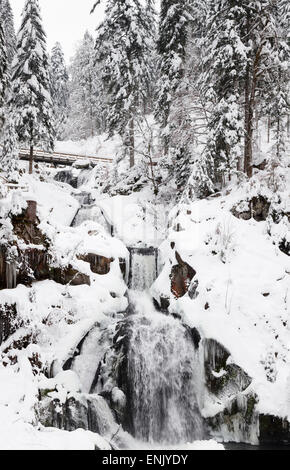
[[64, 20]]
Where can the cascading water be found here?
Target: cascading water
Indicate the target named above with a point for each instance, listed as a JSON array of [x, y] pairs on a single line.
[[165, 378], [91, 212], [162, 375], [143, 268]]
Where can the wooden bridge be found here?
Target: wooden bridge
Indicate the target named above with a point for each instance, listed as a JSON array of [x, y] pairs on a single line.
[[58, 158]]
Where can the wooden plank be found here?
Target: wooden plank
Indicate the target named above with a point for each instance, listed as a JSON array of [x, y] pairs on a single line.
[[64, 156]]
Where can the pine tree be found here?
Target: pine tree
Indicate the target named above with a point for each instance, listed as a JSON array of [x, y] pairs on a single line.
[[259, 30], [240, 55], [3, 74], [7, 20], [179, 110], [30, 94], [10, 148], [224, 65], [276, 77], [171, 48], [59, 89], [123, 47], [86, 100]]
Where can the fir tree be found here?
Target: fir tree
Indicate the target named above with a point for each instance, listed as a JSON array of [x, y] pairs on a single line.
[[171, 48], [3, 73], [86, 100], [276, 77], [59, 89], [224, 64], [123, 47], [30, 96], [7, 20], [10, 149], [259, 29]]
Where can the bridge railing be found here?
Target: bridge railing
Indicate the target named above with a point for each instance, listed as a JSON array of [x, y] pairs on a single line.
[[62, 157]]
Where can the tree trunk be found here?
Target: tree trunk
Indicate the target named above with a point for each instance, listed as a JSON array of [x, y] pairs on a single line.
[[31, 159], [247, 146], [269, 129], [132, 143], [250, 102]]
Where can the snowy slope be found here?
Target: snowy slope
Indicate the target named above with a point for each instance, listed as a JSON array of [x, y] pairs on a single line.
[[243, 297]]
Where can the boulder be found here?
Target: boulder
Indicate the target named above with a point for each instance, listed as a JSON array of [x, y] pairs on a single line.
[[99, 264], [222, 378], [69, 275], [68, 177], [181, 277], [257, 208]]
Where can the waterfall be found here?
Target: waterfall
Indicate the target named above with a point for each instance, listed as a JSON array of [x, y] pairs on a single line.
[[165, 377], [94, 213], [11, 275], [143, 268]]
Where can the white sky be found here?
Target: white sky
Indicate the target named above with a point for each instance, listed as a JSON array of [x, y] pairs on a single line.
[[64, 20]]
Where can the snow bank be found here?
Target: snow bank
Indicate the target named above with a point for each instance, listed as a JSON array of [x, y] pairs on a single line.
[[243, 291]]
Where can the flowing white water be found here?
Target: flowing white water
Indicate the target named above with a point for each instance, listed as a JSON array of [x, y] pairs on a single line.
[[143, 268], [166, 378], [92, 352], [92, 213]]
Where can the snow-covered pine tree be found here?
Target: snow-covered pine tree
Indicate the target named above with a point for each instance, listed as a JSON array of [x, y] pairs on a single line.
[[7, 20], [10, 149], [259, 30], [179, 109], [224, 62], [276, 76], [86, 100], [124, 46], [59, 89], [3, 73], [30, 91], [171, 48]]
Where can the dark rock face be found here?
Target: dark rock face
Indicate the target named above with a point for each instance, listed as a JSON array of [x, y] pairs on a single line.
[[25, 226], [195, 337], [99, 264], [66, 176], [69, 275], [222, 379], [258, 209], [28, 265], [23, 265], [228, 383], [181, 277], [9, 321], [88, 412], [102, 265], [239, 419], [284, 246], [114, 367], [274, 430]]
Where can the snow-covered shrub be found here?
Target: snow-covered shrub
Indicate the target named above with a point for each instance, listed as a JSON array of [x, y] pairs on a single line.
[[222, 242], [269, 363]]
